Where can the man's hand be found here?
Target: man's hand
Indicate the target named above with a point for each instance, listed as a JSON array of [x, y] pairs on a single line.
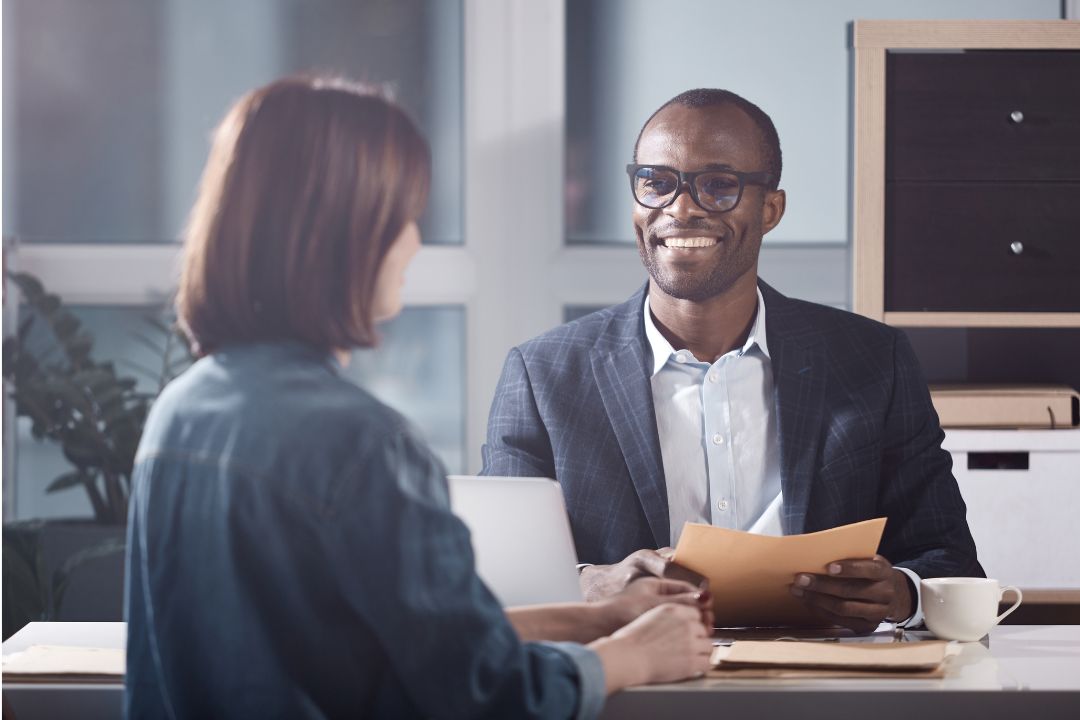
[[857, 594], [602, 581]]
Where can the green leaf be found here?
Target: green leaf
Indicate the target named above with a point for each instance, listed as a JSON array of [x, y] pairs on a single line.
[[82, 451], [48, 305], [65, 481], [79, 346], [29, 285], [110, 396], [24, 328], [65, 325]]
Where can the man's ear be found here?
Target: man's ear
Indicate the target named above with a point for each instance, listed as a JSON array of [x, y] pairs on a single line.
[[772, 210]]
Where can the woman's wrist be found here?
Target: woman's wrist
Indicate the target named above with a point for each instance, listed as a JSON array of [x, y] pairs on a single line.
[[622, 666]]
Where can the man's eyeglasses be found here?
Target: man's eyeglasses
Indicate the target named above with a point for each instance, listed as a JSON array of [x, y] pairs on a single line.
[[657, 186]]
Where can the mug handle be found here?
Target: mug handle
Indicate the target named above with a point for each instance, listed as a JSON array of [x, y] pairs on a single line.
[[1019, 599]]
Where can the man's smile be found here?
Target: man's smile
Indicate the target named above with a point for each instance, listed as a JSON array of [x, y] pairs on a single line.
[[689, 242], [688, 239]]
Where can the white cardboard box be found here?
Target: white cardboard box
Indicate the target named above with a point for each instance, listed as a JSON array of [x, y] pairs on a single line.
[[1026, 523]]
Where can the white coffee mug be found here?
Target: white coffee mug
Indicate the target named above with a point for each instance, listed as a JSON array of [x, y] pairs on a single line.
[[960, 608]]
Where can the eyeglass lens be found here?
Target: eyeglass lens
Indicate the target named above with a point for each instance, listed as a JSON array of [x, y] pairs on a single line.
[[715, 191]]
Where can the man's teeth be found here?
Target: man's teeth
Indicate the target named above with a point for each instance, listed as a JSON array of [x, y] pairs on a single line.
[[689, 242]]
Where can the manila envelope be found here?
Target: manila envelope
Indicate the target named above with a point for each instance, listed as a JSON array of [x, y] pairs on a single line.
[[750, 575]]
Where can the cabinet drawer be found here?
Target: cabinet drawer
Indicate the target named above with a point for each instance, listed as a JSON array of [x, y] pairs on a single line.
[[949, 247], [953, 116]]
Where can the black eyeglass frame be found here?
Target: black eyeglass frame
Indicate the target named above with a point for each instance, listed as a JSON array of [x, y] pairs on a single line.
[[687, 180]]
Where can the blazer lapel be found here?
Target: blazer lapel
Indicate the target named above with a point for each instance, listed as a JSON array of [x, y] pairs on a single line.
[[799, 378], [619, 361]]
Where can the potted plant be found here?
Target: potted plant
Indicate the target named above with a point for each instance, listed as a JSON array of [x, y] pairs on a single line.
[[96, 416]]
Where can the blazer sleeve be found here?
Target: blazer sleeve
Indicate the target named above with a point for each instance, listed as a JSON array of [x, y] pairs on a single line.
[[406, 570], [927, 530], [518, 444]]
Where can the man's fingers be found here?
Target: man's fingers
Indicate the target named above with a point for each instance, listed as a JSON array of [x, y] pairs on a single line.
[[666, 552], [875, 568], [843, 607], [674, 587], [855, 589]]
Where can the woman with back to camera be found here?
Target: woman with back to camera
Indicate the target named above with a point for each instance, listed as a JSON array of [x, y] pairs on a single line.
[[291, 551]]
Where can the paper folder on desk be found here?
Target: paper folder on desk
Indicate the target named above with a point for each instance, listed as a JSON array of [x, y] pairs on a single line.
[[818, 659], [750, 575]]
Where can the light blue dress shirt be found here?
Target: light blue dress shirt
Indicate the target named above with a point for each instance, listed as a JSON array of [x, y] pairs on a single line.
[[716, 423], [718, 438]]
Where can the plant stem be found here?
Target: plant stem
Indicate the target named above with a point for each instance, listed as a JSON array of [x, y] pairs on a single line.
[[117, 503], [101, 512]]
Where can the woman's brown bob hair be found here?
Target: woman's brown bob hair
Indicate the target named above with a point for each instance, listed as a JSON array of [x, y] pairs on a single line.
[[308, 183]]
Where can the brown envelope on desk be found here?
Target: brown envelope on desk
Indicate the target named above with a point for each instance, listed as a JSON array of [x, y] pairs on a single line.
[[751, 659], [750, 575]]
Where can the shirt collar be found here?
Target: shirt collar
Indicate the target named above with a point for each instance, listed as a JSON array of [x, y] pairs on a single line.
[[662, 351]]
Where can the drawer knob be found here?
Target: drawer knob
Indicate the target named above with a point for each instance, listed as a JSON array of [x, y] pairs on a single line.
[[1017, 247], [1016, 116]]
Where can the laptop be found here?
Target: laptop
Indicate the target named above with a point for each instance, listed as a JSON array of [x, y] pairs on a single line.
[[520, 536]]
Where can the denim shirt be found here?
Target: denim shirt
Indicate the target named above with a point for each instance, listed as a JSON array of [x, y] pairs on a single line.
[[291, 553]]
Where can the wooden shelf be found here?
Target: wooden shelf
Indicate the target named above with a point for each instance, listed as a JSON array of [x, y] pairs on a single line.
[[982, 319], [967, 34], [1066, 596]]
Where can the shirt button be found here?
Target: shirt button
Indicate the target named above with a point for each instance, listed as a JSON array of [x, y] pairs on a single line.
[[722, 505], [718, 439], [713, 377], [680, 357]]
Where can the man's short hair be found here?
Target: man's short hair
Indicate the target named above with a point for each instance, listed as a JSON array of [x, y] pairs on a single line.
[[309, 182], [710, 97]]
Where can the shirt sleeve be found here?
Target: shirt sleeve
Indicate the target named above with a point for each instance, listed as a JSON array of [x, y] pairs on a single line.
[[916, 618], [408, 574], [591, 672]]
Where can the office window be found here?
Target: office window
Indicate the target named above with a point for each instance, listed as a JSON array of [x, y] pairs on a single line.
[[418, 369], [109, 104]]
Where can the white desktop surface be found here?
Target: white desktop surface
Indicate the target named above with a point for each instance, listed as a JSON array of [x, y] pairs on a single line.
[[1034, 668]]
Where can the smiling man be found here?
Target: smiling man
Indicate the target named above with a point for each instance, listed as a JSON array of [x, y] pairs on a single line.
[[710, 397]]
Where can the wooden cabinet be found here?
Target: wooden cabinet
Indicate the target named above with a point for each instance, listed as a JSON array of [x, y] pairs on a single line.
[[982, 181], [967, 173]]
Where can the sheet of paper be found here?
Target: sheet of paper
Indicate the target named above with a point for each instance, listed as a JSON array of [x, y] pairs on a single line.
[[750, 575], [60, 660]]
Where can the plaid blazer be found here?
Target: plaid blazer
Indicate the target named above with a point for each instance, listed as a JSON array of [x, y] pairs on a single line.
[[859, 437]]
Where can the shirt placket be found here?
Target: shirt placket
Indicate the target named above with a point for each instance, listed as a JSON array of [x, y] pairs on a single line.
[[716, 406]]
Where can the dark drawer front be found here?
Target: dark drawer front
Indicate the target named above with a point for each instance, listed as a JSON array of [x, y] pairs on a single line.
[[948, 247], [949, 116]]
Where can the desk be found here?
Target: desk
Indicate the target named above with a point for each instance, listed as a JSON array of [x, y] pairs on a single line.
[[1028, 671]]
